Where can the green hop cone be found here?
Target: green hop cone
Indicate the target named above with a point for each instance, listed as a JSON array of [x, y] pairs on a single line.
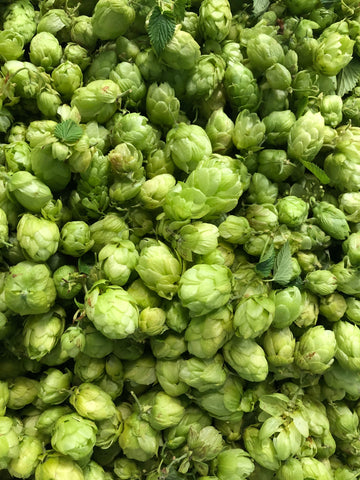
[[112, 18], [30, 451], [17, 156], [247, 358], [38, 237], [343, 421], [348, 278], [225, 402], [125, 158], [68, 281], [333, 307], [274, 164], [91, 402], [112, 310], [347, 340], [29, 191], [253, 316], [321, 282], [306, 137], [262, 218], [197, 237], [342, 165], [315, 350], [45, 50], [264, 51], [293, 211], [153, 191], [167, 374], [205, 444], [41, 332], [249, 131], [74, 436], [333, 53], [67, 77], [89, 369], [128, 76], [98, 100], [76, 54], [134, 128], [187, 145], [162, 106], [241, 87], [22, 392], [82, 33], [215, 19], [29, 288], [203, 288], [194, 418], [94, 471], [235, 229], [12, 45], [54, 386], [351, 248], [206, 76], [165, 412], [168, 346], [279, 346], [203, 374], [118, 260], [278, 125], [9, 442], [206, 334], [332, 220], [233, 462], [182, 52], [219, 128], [278, 76], [222, 180], [331, 110], [262, 450], [152, 321], [159, 268], [352, 310], [262, 190], [53, 463], [138, 440]]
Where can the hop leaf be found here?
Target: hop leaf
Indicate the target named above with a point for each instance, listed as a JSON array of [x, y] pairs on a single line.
[[283, 266], [348, 77], [161, 28], [266, 264], [317, 171], [180, 9], [68, 131]]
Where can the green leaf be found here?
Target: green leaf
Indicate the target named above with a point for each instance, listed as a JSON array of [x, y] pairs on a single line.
[[161, 28], [86, 263], [180, 9], [317, 171], [266, 263], [283, 265], [348, 77], [259, 6], [68, 131]]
